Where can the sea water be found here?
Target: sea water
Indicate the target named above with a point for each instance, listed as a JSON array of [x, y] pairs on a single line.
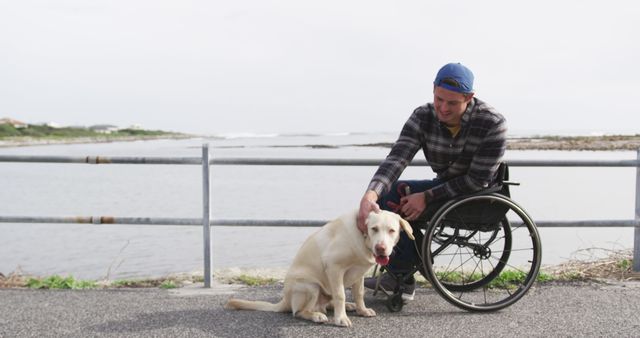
[[255, 192]]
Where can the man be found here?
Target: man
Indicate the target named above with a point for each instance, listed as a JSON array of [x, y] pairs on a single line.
[[463, 140]]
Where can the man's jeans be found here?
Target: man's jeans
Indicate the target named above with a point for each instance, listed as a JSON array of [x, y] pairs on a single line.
[[404, 255]]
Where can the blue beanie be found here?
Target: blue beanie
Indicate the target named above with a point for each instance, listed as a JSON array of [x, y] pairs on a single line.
[[455, 77]]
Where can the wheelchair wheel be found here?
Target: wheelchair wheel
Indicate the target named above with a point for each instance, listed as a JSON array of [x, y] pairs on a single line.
[[481, 253]]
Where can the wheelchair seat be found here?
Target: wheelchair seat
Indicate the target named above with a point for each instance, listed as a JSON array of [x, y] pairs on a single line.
[[483, 215]]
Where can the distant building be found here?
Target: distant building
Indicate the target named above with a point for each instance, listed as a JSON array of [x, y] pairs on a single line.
[[104, 128], [15, 123]]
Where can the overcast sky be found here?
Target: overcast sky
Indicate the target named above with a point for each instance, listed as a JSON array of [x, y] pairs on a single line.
[[292, 66]]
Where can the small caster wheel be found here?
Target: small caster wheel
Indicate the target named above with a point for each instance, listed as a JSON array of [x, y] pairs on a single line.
[[395, 303]]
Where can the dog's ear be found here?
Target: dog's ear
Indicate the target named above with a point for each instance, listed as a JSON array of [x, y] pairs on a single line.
[[407, 228]]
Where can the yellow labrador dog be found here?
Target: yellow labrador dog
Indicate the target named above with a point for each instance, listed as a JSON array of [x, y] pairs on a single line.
[[336, 256]]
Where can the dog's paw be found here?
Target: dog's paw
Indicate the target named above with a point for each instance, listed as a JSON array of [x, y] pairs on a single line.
[[343, 321], [350, 306], [319, 317], [366, 312]]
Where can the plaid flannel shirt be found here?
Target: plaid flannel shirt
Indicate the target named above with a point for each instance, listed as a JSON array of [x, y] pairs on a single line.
[[466, 163]]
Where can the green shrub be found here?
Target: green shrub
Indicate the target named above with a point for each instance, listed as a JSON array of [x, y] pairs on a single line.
[[7, 130]]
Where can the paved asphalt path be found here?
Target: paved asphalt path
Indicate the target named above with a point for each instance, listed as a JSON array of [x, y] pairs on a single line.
[[584, 310]]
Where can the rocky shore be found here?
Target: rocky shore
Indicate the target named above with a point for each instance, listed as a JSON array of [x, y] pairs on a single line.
[[612, 142]]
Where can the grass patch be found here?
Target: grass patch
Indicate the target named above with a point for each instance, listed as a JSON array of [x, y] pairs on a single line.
[[133, 283], [19, 280], [505, 280], [508, 279], [511, 278], [58, 282], [625, 264], [254, 280], [168, 284], [544, 277], [163, 283]]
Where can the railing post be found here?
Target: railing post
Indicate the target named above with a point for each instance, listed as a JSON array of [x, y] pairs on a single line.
[[636, 238], [206, 215]]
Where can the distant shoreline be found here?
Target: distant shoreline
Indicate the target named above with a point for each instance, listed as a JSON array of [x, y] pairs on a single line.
[[30, 141], [573, 143]]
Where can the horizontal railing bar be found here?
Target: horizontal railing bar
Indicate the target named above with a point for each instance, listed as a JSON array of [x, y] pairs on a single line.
[[101, 220], [292, 161], [155, 221], [268, 223], [418, 162], [299, 161], [573, 163], [101, 159], [589, 224]]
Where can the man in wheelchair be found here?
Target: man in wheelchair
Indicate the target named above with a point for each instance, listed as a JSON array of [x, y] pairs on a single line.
[[463, 140]]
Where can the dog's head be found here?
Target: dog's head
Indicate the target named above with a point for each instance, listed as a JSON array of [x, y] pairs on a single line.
[[383, 232]]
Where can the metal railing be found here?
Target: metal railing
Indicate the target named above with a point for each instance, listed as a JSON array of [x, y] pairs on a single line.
[[206, 222]]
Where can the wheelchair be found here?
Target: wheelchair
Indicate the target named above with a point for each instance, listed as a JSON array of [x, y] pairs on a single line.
[[481, 252]]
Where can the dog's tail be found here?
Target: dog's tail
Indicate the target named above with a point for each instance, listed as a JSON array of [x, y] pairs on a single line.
[[239, 304]]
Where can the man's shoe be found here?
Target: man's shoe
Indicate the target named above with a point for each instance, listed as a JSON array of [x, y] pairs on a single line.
[[388, 284]]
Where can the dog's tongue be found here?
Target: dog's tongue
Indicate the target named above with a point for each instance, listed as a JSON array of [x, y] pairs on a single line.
[[382, 260]]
